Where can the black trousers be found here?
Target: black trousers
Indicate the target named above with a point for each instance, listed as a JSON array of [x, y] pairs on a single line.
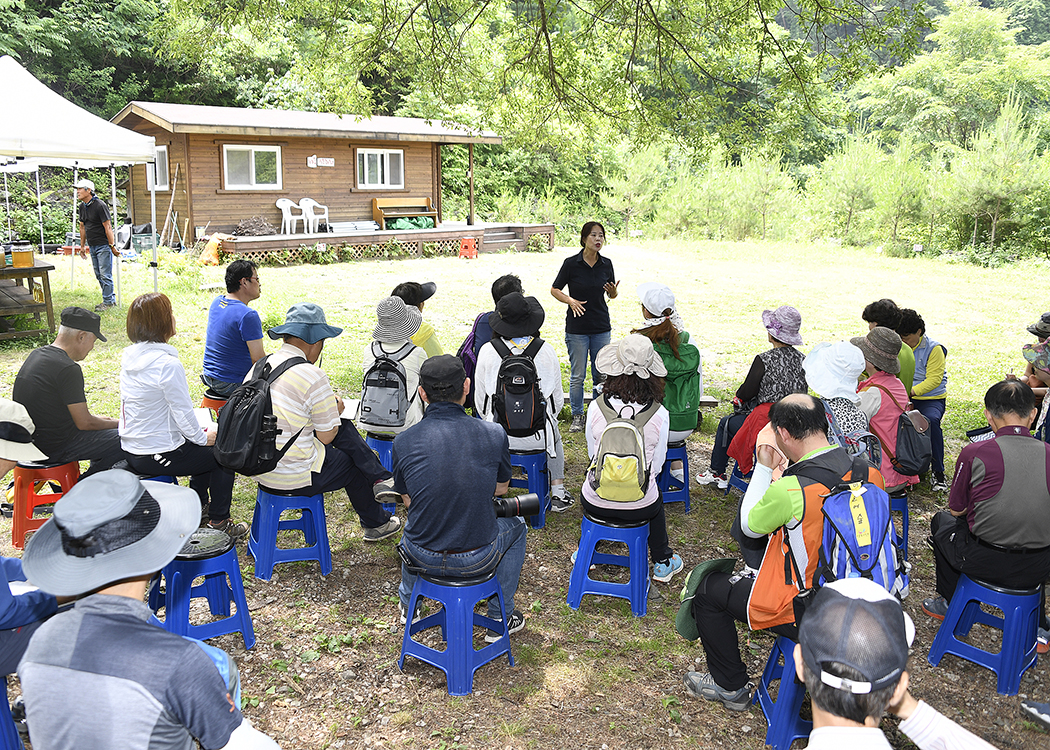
[[717, 608], [659, 546], [957, 551], [207, 477]]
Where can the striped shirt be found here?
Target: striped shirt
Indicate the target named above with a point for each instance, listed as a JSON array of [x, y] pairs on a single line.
[[302, 398]]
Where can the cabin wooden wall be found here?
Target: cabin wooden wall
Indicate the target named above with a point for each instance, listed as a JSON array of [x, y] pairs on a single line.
[[331, 186]]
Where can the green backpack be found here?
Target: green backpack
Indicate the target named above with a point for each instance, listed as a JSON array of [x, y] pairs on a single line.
[[619, 472], [682, 385]]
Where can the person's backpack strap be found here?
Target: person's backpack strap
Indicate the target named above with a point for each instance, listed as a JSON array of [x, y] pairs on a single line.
[[283, 368], [887, 392], [533, 348], [501, 347]]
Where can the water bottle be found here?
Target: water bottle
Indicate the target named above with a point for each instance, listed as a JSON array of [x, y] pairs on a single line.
[[268, 438]]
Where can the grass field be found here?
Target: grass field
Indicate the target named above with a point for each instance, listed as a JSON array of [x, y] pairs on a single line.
[[324, 672]]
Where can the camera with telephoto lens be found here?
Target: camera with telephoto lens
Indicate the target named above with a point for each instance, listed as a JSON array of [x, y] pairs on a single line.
[[519, 505]]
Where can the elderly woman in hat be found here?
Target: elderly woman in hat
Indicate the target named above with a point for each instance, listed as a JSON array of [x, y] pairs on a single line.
[[774, 373], [396, 323], [684, 382], [634, 388], [1033, 378], [832, 371], [158, 427], [883, 398], [516, 322]]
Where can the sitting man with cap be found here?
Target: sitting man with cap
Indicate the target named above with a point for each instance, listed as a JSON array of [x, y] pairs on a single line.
[[789, 511], [328, 453], [50, 384], [515, 325], [20, 613], [996, 528], [852, 655], [448, 467], [100, 675], [416, 295]]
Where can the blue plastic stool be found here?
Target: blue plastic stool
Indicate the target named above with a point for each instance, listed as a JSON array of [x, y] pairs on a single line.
[[899, 504], [783, 724], [9, 739], [162, 478], [1021, 609], [738, 480], [672, 490], [636, 537], [457, 619], [266, 522], [537, 479], [209, 554], [383, 445]]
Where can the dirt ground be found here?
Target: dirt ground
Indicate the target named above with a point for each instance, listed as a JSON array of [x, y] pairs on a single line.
[[323, 672]]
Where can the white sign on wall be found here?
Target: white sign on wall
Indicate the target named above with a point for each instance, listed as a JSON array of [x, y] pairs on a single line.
[[315, 161]]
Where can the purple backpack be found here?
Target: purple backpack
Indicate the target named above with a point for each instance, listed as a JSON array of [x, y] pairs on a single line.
[[467, 352]]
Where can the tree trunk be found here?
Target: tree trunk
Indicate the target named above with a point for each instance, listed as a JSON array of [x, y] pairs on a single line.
[[849, 216], [995, 219]]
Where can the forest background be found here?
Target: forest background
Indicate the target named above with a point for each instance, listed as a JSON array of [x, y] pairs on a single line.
[[920, 127]]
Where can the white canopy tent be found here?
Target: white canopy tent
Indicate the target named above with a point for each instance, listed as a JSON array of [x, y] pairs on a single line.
[[45, 127]]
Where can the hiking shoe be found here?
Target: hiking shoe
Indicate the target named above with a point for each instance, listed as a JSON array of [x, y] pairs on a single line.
[[703, 685], [384, 491], [561, 503], [939, 485], [415, 617], [102, 306], [663, 572], [936, 607], [709, 477], [1037, 712], [578, 423], [233, 530], [1042, 641], [747, 572], [389, 528], [517, 622], [678, 475]]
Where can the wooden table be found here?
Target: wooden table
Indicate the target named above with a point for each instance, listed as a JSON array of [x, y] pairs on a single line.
[[16, 297]]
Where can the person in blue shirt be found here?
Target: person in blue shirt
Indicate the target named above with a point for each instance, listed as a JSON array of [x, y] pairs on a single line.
[[234, 341]]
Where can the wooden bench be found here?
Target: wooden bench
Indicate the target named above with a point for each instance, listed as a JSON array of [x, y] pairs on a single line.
[[401, 208]]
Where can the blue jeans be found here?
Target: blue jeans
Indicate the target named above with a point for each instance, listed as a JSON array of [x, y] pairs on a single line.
[[509, 543], [580, 346], [933, 410], [102, 262], [221, 387]]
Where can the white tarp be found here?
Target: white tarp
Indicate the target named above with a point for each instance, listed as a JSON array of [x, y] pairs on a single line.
[[38, 123]]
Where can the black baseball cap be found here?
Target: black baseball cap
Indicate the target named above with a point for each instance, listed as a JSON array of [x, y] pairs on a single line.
[[83, 320], [856, 622], [442, 376]]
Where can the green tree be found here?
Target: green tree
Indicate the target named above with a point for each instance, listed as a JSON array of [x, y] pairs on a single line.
[[899, 186], [632, 189], [845, 185], [764, 190]]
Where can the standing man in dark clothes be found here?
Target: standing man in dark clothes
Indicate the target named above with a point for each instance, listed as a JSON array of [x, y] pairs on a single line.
[[96, 232], [50, 384]]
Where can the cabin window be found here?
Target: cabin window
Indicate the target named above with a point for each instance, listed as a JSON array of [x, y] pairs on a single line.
[[157, 172], [379, 169], [252, 167]]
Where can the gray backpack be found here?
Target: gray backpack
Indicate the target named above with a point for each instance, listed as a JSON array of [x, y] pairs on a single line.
[[619, 471], [384, 394]]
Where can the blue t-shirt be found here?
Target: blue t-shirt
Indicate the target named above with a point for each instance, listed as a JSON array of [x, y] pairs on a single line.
[[231, 324], [449, 464]]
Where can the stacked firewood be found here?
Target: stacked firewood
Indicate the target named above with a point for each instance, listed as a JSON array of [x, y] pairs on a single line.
[[256, 226]]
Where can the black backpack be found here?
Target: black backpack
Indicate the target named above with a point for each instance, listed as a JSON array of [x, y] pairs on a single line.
[[246, 441], [914, 444], [518, 403]]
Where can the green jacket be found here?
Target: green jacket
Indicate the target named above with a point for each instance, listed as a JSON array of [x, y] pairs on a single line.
[[682, 389]]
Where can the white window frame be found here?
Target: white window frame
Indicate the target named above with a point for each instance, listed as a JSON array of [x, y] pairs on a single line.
[[152, 181], [384, 155], [253, 148]]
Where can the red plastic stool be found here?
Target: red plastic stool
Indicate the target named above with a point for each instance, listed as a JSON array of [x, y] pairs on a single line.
[[468, 247], [26, 499], [212, 401]]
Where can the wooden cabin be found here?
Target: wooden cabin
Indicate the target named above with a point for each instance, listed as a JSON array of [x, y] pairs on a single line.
[[226, 164]]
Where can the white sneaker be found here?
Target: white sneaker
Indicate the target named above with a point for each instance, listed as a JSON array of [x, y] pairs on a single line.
[[678, 475], [709, 477]]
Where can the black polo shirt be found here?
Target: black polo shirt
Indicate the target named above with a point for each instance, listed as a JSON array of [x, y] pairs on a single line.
[[587, 284], [93, 215]]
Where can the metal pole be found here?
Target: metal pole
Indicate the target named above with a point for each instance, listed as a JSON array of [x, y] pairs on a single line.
[[470, 172], [112, 223], [153, 223], [7, 199], [39, 211], [75, 243]]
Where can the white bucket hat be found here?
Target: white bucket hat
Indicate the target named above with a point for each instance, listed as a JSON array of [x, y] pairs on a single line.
[[832, 370], [16, 433]]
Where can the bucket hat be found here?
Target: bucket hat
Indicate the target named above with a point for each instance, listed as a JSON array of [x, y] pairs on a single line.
[[1037, 355], [1041, 327], [516, 315], [107, 528], [306, 321], [396, 320], [16, 433], [832, 370], [858, 623], [783, 324], [880, 347], [632, 355]]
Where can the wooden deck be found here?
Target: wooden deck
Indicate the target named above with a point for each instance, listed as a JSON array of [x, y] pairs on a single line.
[[441, 241]]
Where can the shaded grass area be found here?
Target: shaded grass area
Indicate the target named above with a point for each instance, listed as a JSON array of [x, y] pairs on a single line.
[[324, 672]]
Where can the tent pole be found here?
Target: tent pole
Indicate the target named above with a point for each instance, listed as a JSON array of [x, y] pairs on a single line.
[[153, 223], [39, 211], [73, 253], [7, 199], [112, 223]]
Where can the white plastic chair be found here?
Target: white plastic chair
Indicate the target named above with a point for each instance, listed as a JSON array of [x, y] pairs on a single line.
[[289, 219], [313, 213]]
